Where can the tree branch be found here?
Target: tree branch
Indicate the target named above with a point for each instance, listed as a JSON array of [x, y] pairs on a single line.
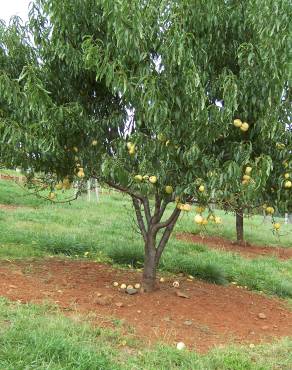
[[147, 211], [174, 216], [125, 190], [166, 235], [162, 209], [144, 200], [137, 206], [155, 219]]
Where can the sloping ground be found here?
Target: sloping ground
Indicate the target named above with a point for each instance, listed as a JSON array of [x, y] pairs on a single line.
[[210, 315], [248, 250]]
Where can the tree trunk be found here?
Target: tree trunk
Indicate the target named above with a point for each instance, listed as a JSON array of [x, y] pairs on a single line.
[[149, 272], [288, 218], [267, 218], [149, 226], [239, 225]]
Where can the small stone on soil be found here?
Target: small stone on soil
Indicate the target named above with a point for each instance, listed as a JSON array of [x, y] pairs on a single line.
[[262, 315], [103, 301], [131, 291], [119, 304], [188, 323], [181, 294]]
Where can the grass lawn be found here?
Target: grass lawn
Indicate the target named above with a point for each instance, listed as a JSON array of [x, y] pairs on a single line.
[[40, 337]]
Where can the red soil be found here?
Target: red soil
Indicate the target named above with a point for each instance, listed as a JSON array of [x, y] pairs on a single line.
[[248, 250], [211, 315], [11, 207], [11, 177]]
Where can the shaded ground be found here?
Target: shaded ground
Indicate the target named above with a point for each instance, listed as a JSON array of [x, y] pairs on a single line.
[[248, 250], [211, 315]]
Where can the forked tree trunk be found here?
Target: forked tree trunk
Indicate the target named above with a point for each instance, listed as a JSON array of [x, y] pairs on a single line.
[[239, 225], [149, 226]]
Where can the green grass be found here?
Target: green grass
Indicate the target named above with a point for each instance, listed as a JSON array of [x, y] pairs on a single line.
[[263, 274], [12, 193], [107, 231], [41, 337], [266, 357], [32, 337]]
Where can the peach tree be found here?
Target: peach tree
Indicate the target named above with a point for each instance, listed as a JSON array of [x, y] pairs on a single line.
[[125, 92]]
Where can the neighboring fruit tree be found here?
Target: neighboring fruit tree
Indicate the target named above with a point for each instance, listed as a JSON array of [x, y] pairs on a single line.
[[125, 91], [256, 177]]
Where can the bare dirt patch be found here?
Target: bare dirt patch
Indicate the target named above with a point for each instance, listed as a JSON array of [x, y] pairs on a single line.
[[211, 315], [248, 250], [11, 177], [8, 207], [11, 207]]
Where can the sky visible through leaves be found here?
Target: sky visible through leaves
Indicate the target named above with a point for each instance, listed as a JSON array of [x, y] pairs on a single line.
[[14, 7]]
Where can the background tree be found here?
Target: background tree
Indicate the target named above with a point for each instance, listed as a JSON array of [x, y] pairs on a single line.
[[165, 62], [254, 158]]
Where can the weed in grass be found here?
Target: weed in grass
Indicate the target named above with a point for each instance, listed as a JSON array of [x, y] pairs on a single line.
[[65, 247], [127, 255], [284, 289], [208, 271]]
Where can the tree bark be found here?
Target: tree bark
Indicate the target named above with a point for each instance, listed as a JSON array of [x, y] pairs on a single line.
[[239, 225], [150, 265], [149, 226], [267, 218], [153, 250]]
